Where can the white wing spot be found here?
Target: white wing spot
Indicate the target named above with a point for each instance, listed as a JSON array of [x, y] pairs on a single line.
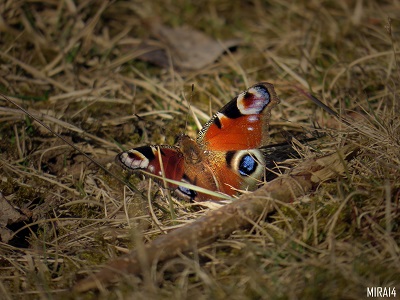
[[139, 162]]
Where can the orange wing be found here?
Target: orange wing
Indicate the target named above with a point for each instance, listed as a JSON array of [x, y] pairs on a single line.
[[242, 123]]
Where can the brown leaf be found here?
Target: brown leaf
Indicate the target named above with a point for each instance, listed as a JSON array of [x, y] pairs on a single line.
[[8, 215], [189, 49]]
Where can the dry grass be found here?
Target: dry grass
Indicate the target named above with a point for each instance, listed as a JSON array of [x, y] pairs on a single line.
[[76, 64]]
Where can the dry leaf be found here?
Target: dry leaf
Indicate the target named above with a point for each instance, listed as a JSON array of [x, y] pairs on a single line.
[[188, 48], [8, 215]]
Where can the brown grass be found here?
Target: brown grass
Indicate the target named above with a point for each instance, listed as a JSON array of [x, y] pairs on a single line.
[[75, 66]]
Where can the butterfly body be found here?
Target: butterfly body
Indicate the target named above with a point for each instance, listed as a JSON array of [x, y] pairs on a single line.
[[225, 156]]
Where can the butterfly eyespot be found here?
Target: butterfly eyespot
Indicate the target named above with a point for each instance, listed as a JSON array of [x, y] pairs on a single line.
[[254, 100], [247, 165], [187, 192]]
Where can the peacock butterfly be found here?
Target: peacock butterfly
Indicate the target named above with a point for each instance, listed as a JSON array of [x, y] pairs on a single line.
[[227, 154]]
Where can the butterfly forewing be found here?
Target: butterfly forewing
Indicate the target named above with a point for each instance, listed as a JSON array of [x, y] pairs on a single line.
[[242, 123], [148, 158]]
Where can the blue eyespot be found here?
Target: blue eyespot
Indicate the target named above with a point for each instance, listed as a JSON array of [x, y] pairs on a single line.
[[247, 165], [188, 192]]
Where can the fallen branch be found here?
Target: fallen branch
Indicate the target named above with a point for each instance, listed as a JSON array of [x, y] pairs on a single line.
[[222, 222]]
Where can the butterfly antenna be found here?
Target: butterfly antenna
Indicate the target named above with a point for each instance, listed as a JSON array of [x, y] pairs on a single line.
[[70, 144]]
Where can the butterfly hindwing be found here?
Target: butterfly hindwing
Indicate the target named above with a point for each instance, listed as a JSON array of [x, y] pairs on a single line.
[[237, 169]]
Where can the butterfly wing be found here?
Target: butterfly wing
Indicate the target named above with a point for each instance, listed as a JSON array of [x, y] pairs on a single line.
[[229, 141], [242, 123], [158, 160], [170, 162]]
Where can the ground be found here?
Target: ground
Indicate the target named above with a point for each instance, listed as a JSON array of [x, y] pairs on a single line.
[[88, 70]]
